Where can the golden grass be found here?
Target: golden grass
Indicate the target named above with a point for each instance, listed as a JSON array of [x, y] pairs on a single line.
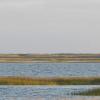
[[49, 81]]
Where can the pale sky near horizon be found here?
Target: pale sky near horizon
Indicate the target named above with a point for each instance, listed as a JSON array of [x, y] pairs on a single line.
[[49, 26]]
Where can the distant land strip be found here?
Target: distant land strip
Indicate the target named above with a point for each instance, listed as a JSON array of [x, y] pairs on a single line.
[[46, 58], [10, 80]]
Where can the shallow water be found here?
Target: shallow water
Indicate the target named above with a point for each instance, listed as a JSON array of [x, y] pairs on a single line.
[[49, 98], [44, 92], [50, 69]]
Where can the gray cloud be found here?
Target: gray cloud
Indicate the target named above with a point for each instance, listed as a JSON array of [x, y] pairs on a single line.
[[49, 26]]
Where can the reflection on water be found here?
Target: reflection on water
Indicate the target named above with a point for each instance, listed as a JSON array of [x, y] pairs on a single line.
[[45, 92]]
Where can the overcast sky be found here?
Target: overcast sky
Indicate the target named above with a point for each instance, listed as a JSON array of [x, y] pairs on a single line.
[[49, 26]]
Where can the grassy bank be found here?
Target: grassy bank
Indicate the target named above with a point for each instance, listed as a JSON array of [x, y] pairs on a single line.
[[93, 92], [49, 81]]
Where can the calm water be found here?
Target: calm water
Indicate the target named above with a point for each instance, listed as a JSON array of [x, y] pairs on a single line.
[[50, 69], [47, 69], [43, 92]]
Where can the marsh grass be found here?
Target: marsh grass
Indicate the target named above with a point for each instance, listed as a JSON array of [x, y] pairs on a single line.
[[49, 81], [93, 92]]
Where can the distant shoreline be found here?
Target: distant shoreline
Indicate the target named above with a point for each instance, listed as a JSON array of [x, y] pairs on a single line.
[[49, 58], [46, 62]]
